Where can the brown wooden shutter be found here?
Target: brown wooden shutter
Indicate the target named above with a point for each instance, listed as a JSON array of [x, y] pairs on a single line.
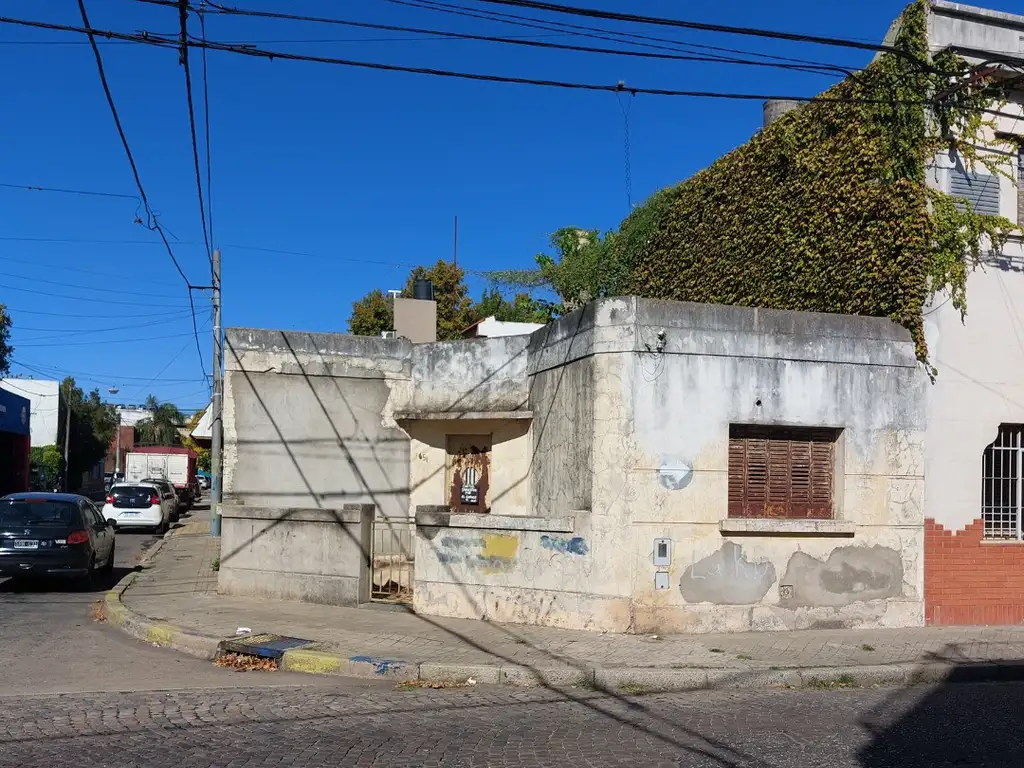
[[781, 472]]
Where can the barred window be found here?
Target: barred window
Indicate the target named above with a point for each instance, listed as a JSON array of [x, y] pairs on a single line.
[[786, 472], [1001, 483]]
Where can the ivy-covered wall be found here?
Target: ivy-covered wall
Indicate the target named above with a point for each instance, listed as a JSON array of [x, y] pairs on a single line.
[[826, 209]]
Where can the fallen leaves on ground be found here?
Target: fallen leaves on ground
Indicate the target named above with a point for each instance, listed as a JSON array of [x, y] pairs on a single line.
[[96, 609], [246, 663]]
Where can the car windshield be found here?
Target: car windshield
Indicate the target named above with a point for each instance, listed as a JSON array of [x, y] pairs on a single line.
[[36, 512], [131, 492]]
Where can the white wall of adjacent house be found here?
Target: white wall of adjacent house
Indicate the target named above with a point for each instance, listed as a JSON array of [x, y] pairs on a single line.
[[44, 398], [980, 356]]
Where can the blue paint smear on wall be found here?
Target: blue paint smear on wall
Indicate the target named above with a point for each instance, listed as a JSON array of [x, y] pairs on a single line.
[[380, 666], [573, 546]]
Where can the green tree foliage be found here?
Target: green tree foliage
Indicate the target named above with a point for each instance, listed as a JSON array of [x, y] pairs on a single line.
[[6, 350], [456, 310], [202, 454], [161, 427], [93, 427], [46, 460]]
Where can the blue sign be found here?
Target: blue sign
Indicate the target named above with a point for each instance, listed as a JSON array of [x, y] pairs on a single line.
[[14, 413]]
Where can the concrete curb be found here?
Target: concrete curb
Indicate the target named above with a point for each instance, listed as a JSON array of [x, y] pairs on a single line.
[[626, 680], [155, 632]]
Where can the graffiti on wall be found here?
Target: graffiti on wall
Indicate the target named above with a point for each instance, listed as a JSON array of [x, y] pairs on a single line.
[[567, 546], [491, 553]]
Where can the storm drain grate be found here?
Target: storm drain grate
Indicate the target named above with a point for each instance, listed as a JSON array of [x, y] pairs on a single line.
[[266, 645]]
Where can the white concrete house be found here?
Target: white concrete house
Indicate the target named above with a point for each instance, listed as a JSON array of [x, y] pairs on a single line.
[[44, 396]]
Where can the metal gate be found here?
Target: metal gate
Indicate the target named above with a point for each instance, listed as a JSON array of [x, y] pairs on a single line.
[[393, 560]]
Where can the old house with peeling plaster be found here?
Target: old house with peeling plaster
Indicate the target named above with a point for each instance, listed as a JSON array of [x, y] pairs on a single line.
[[636, 466]]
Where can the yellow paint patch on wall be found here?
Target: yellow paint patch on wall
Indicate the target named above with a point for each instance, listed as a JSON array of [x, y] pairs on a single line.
[[504, 547]]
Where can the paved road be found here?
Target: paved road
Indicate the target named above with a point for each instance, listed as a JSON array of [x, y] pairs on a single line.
[[51, 643], [960, 725]]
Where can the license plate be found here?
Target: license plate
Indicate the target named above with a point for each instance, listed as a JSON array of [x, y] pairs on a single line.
[[26, 544], [130, 512]]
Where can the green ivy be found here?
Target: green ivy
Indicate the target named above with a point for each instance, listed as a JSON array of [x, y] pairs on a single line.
[[827, 209]]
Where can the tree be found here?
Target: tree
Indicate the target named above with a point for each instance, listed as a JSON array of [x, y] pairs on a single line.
[[584, 267], [161, 427], [46, 460], [371, 314], [456, 311], [5, 341], [202, 454], [93, 425]]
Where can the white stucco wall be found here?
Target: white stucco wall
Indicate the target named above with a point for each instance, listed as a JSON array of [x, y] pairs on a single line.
[[44, 397]]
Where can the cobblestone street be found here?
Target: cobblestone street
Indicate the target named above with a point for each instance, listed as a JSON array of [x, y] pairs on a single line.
[[956, 725]]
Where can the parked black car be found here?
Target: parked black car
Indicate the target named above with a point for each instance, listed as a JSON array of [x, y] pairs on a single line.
[[54, 534]]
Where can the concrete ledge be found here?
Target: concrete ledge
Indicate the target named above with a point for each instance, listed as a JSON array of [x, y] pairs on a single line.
[[489, 522], [347, 513], [461, 415], [318, 588], [759, 526]]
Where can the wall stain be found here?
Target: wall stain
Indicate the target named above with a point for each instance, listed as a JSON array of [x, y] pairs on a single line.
[[574, 546], [675, 476], [849, 575], [727, 577]]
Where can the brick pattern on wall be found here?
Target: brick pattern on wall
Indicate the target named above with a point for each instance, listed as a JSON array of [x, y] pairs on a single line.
[[968, 581]]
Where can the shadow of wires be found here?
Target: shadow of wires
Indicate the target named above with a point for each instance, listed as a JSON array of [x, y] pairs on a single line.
[[950, 723]]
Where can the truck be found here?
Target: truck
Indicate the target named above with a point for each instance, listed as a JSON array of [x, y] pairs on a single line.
[[160, 462]]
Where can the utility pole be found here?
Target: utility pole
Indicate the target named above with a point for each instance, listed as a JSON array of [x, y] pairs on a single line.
[[67, 435], [218, 404]]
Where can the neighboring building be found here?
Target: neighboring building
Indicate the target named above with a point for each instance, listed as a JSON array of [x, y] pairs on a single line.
[[491, 327], [44, 397], [120, 446], [975, 439], [15, 442], [202, 433], [130, 415], [713, 469]]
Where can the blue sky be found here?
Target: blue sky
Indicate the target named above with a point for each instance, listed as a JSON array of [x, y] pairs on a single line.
[[358, 172]]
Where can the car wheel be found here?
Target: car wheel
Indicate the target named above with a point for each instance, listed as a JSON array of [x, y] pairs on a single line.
[[108, 567]]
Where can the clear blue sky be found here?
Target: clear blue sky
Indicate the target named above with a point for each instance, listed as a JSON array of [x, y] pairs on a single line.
[[362, 171]]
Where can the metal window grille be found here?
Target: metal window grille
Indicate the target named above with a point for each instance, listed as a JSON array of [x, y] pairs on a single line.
[[1001, 483], [786, 472]]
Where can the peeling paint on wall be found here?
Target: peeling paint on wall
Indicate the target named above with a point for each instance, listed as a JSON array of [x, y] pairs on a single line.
[[675, 475], [574, 546], [849, 575], [727, 577]]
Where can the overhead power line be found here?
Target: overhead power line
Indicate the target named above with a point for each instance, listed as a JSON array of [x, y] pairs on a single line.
[[152, 222], [598, 33], [104, 342], [504, 40], [91, 315], [108, 301], [252, 51], [65, 284], [594, 13], [62, 332], [48, 371], [183, 9]]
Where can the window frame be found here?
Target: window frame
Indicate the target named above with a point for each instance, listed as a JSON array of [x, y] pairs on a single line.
[[783, 472], [1002, 494]]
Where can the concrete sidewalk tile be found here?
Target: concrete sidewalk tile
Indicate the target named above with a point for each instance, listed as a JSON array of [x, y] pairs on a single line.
[[753, 678]]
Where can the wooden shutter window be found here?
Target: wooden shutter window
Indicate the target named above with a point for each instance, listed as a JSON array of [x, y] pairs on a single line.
[[785, 472]]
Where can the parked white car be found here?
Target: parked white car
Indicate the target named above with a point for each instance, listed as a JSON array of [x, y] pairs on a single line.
[[138, 505]]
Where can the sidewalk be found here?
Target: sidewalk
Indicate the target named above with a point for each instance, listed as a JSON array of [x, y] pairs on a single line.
[[173, 601]]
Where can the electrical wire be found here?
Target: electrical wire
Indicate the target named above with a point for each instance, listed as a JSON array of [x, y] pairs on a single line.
[[252, 51], [57, 333], [485, 38], [594, 13], [151, 218], [107, 342], [90, 193], [40, 369], [645, 41], [107, 301], [16, 311], [183, 9], [206, 121], [65, 284]]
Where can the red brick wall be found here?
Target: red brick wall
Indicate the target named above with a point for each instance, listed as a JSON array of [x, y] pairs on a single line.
[[967, 581]]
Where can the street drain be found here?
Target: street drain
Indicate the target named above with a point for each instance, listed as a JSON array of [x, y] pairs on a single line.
[[265, 645]]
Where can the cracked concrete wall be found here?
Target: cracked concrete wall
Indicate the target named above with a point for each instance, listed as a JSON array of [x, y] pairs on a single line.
[[303, 424], [632, 402]]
